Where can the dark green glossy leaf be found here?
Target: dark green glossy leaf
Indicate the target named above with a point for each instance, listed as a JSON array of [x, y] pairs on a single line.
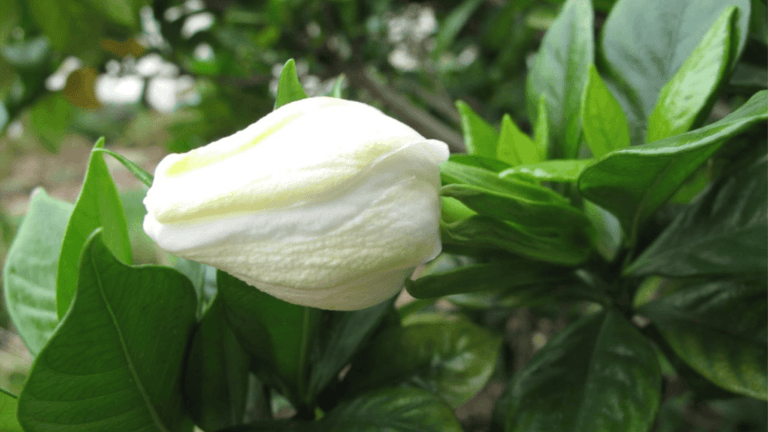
[[686, 99], [131, 166], [645, 43], [632, 183], [560, 71], [453, 360], [561, 171], [273, 332], [8, 407], [534, 295], [343, 335], [29, 277], [599, 374], [50, 119], [216, 373], [535, 216], [115, 361], [495, 275], [515, 147], [97, 206], [750, 77], [603, 119], [723, 232], [289, 88], [720, 329], [608, 235], [479, 137], [488, 233], [398, 409]]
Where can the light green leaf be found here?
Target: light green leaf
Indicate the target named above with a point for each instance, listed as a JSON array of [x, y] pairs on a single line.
[[30, 270], [562, 171], [644, 44], [685, 100], [289, 88], [479, 136], [8, 407], [338, 87], [515, 147], [115, 361], [608, 235], [719, 329], [632, 183], [455, 359], [559, 73], [131, 166], [97, 206], [541, 128], [723, 232], [604, 122], [598, 375]]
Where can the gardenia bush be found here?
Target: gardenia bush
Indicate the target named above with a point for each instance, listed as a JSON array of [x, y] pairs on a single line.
[[295, 235]]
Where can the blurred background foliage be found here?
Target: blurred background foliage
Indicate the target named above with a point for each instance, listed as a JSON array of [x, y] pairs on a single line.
[[171, 75]]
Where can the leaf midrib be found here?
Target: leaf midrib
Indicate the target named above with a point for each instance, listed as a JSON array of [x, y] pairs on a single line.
[[142, 392]]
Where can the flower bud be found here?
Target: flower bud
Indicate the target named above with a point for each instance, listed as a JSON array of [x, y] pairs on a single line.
[[324, 202]]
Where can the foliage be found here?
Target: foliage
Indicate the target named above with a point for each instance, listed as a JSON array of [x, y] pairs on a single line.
[[616, 179]]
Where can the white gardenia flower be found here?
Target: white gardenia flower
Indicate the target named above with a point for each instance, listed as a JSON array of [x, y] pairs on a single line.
[[324, 202]]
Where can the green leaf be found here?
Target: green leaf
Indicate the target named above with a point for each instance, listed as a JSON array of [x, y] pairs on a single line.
[[289, 88], [50, 119], [72, 27], [719, 329], [216, 373], [338, 87], [273, 332], [723, 232], [8, 407], [599, 374], [131, 166], [97, 206], [458, 173], [644, 44], [114, 362], [498, 275], [559, 73], [29, 276], [452, 25], [488, 233], [453, 360], [536, 216], [533, 295], [479, 136], [398, 409], [515, 147], [608, 236], [604, 122], [485, 163], [561, 171], [686, 99], [343, 335], [749, 77], [541, 128], [632, 183]]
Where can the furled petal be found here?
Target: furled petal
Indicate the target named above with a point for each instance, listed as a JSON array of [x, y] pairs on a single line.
[[326, 203]]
